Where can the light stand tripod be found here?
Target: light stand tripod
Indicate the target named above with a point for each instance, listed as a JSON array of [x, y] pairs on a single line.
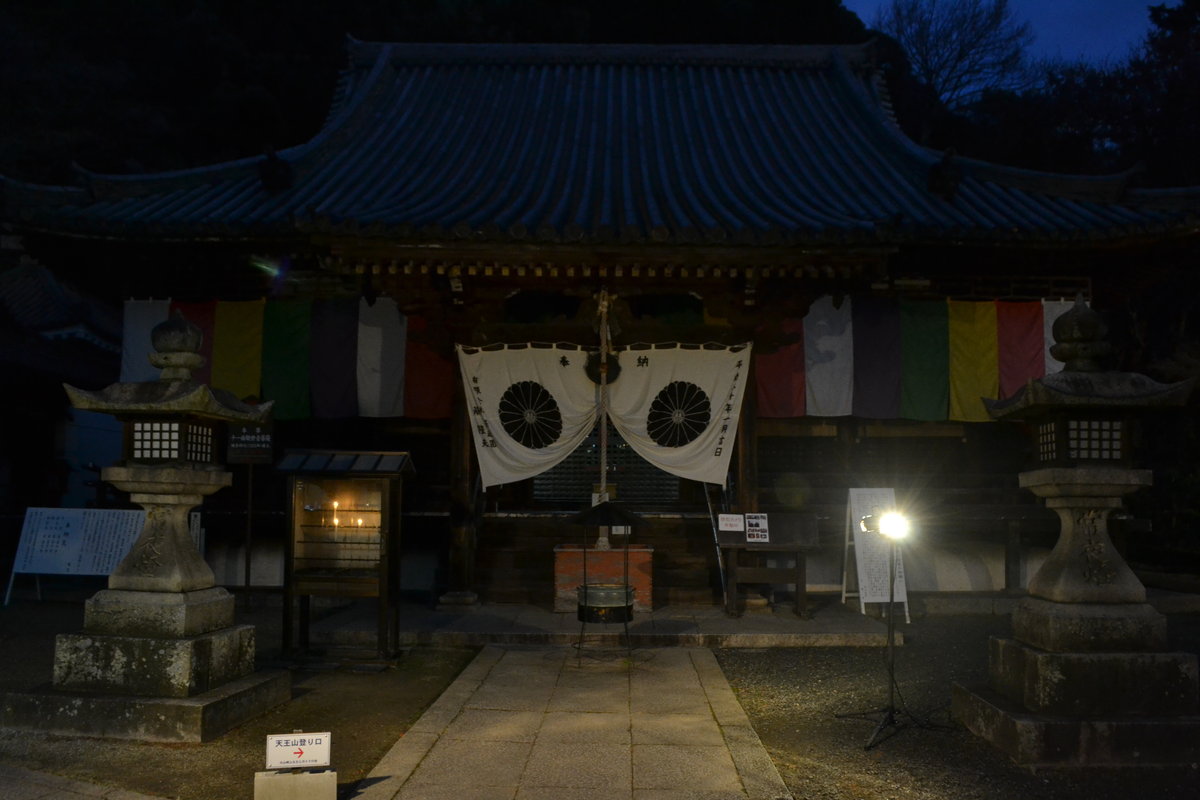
[[894, 527]]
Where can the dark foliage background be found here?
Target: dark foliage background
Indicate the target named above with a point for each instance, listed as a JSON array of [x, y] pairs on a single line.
[[130, 85]]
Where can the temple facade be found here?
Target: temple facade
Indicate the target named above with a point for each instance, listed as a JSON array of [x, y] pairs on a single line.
[[473, 198]]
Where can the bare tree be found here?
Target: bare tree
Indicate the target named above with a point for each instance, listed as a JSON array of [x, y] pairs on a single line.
[[959, 48]]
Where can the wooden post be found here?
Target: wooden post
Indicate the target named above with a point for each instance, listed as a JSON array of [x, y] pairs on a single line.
[[461, 577], [747, 446]]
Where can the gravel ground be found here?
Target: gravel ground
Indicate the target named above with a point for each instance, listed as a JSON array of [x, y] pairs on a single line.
[[794, 698]]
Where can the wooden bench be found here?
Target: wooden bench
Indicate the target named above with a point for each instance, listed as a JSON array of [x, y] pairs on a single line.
[[790, 534]]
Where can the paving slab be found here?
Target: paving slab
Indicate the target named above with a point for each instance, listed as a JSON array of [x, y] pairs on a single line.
[[551, 722], [831, 624]]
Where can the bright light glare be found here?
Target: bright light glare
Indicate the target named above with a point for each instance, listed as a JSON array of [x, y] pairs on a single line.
[[893, 525], [266, 265]]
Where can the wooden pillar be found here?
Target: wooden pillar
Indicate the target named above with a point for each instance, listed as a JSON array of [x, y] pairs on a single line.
[[461, 573], [747, 444]]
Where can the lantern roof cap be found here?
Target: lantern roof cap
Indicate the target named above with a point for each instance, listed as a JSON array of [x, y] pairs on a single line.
[[1081, 391], [1080, 344], [169, 398], [176, 342]]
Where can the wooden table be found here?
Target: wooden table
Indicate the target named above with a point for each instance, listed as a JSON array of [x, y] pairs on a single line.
[[792, 535]]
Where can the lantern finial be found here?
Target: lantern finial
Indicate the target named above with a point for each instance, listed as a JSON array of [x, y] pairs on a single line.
[[1079, 339], [176, 342]]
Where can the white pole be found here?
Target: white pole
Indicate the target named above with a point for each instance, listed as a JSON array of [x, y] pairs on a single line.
[[602, 542]]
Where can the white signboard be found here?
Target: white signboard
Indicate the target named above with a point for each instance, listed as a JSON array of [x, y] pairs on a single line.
[[81, 541], [872, 550], [76, 541], [756, 528], [731, 522], [293, 750]]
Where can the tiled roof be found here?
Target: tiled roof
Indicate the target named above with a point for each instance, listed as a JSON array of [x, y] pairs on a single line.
[[748, 145]]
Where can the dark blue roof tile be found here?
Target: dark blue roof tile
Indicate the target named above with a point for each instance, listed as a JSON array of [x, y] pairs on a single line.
[[606, 143]]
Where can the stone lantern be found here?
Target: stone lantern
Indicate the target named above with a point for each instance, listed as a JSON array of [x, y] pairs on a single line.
[[1084, 680], [159, 658]]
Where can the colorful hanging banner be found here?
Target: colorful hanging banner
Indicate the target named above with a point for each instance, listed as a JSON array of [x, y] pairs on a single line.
[[237, 348], [877, 358], [430, 384], [829, 358], [285, 377], [333, 358], [779, 377], [1019, 343], [974, 359], [924, 360], [382, 334]]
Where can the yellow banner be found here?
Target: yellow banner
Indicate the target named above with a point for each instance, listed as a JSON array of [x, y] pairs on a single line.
[[237, 347], [974, 359]]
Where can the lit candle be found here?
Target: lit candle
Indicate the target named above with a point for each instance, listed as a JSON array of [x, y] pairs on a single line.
[[360, 522]]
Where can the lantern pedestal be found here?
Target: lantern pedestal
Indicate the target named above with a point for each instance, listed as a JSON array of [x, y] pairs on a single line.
[[164, 557], [1084, 567], [1083, 681]]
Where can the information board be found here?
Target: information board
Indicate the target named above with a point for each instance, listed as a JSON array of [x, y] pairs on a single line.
[[248, 443], [76, 541], [80, 541], [872, 550], [757, 528]]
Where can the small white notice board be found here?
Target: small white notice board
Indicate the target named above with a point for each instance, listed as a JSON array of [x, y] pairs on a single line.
[[757, 528], [871, 550], [731, 522], [293, 750]]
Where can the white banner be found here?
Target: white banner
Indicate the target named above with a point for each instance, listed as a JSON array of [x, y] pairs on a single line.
[[530, 405], [829, 358], [382, 336], [677, 405]]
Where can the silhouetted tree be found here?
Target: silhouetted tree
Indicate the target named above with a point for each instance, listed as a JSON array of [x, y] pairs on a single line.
[[959, 48]]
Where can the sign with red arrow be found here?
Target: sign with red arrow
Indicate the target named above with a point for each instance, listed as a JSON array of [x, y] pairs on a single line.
[[297, 750]]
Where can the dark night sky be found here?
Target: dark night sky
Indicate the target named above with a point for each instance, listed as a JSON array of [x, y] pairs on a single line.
[[1094, 30]]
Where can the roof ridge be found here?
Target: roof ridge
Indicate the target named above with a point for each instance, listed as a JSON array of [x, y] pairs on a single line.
[[363, 54]]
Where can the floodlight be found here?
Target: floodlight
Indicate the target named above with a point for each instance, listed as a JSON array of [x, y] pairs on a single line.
[[891, 524]]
